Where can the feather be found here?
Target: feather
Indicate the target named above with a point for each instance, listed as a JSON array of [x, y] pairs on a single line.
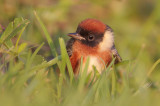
[[115, 54], [69, 46]]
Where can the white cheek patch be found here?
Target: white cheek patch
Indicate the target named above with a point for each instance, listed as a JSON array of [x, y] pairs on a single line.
[[107, 42]]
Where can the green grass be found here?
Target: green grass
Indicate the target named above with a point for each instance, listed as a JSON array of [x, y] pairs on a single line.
[[26, 78], [33, 49]]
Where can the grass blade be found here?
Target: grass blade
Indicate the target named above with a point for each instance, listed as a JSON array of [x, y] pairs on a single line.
[[49, 39], [153, 67], [66, 58]]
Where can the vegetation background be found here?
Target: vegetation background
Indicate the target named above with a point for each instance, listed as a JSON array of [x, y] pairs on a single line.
[[28, 66]]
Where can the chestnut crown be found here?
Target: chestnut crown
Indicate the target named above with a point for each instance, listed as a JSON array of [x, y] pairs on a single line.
[[90, 32]]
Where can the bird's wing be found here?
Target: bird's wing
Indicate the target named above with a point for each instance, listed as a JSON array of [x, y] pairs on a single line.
[[116, 55], [69, 46]]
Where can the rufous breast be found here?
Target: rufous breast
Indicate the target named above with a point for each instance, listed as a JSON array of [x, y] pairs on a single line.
[[96, 57]]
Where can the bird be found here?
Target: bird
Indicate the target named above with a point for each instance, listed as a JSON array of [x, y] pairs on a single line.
[[95, 40]]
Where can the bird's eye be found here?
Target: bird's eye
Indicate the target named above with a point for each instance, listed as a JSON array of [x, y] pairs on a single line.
[[90, 38]]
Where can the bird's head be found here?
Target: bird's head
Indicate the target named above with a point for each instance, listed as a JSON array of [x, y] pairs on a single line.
[[92, 32]]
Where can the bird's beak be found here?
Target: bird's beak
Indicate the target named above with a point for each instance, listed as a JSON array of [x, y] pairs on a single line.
[[76, 36]]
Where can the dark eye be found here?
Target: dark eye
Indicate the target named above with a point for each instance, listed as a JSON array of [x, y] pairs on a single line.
[[90, 38]]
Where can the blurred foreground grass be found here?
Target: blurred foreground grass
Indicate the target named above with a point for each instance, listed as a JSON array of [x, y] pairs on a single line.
[[28, 75]]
